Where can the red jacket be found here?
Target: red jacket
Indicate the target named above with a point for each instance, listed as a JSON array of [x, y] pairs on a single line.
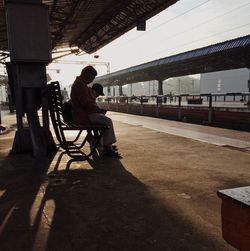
[[83, 102]]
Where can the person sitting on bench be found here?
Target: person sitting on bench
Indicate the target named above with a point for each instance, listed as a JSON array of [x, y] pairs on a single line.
[[86, 111]]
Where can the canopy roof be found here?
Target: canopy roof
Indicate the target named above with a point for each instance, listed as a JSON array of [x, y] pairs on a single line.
[[90, 24], [227, 55]]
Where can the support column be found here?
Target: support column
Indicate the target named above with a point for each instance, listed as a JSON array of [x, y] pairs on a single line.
[[160, 87], [32, 98], [29, 56], [120, 90], [109, 91], [248, 82]]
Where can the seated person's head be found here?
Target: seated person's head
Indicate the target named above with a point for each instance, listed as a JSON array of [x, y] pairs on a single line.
[[98, 89], [88, 74]]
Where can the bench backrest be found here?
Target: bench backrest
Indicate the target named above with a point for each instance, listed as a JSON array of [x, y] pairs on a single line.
[[55, 108]]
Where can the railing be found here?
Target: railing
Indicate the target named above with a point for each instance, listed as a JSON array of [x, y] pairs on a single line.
[[232, 100]]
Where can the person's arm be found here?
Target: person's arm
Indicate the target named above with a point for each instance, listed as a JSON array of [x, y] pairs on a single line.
[[86, 100]]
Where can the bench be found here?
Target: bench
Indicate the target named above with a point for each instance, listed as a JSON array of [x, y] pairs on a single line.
[[73, 148]]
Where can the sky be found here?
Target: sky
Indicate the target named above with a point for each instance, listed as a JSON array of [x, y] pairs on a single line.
[[184, 26]]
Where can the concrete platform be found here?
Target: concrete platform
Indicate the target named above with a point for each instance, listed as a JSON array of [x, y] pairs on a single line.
[[160, 196]]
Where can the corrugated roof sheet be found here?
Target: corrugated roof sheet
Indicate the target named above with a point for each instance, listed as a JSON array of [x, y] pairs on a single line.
[[91, 24], [223, 46]]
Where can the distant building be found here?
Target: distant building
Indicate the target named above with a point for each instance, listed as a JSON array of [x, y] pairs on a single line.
[[178, 85], [225, 81], [141, 88], [181, 85], [230, 81]]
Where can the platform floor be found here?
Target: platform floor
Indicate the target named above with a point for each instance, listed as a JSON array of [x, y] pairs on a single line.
[[208, 134], [161, 196]]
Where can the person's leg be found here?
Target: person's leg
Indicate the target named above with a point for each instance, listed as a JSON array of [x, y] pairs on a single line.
[[109, 135]]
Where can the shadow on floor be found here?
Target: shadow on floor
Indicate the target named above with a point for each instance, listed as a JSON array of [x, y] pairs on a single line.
[[22, 179], [100, 206]]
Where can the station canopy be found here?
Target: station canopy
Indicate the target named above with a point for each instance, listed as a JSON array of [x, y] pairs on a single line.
[[227, 55], [90, 24]]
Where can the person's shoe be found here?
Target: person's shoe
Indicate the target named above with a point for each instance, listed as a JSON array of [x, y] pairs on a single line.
[[111, 153], [114, 148]]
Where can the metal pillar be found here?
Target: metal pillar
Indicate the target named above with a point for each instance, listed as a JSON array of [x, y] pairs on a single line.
[[120, 90], [109, 91], [160, 87], [248, 82]]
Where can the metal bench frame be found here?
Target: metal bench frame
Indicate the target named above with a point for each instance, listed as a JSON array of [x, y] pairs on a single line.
[[72, 147]]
